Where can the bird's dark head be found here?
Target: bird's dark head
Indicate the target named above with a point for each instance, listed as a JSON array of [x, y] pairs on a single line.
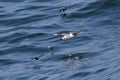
[[74, 33]]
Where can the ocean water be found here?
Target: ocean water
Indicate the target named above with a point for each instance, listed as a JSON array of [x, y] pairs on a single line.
[[25, 32]]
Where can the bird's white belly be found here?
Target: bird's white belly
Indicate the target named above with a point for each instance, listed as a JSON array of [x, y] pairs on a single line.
[[67, 36]]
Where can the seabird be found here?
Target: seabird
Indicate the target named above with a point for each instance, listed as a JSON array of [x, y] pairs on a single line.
[[67, 35], [50, 47], [71, 56], [63, 9], [37, 57]]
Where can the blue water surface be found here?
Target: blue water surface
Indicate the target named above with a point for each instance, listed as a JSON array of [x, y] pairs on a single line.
[[25, 32]]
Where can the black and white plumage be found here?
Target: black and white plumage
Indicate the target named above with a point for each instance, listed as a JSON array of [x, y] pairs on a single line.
[[66, 36], [37, 57], [63, 9]]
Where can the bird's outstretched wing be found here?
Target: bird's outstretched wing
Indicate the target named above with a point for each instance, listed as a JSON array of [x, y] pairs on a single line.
[[55, 34], [81, 31], [61, 34]]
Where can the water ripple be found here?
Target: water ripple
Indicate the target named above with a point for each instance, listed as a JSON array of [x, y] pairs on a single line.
[[26, 28]]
